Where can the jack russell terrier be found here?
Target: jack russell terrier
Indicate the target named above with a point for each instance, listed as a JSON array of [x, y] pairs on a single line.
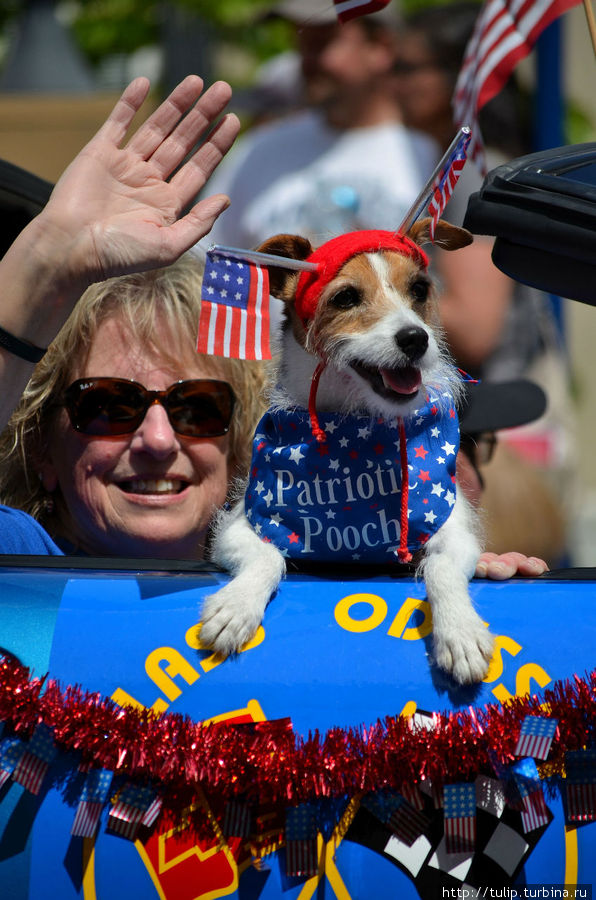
[[355, 459]]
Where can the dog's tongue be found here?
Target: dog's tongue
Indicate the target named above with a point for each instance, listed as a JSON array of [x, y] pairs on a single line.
[[403, 380]]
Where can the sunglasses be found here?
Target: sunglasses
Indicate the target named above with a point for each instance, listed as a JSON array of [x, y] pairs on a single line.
[[104, 407], [480, 447]]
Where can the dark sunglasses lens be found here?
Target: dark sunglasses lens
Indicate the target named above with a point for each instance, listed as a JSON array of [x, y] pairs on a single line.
[[104, 408], [201, 408]]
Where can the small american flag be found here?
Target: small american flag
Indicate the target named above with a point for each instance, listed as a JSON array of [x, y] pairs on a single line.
[[234, 317], [412, 794], [129, 810], [301, 841], [535, 812], [33, 765], [580, 785], [447, 179], [460, 817], [504, 33], [351, 9], [237, 819], [93, 797], [408, 823], [536, 736], [11, 750]]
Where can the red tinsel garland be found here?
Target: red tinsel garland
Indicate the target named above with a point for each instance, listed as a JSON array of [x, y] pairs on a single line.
[[267, 763]]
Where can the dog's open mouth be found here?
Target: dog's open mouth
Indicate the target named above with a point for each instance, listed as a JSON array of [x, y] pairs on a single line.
[[400, 382]]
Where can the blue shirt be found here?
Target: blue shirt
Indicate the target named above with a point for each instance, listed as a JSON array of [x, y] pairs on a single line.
[[20, 533], [341, 500]]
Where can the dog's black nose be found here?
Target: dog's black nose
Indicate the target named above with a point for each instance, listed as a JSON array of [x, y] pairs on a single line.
[[413, 341]]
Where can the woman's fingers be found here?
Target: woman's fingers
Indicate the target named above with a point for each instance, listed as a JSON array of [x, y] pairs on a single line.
[[505, 565]]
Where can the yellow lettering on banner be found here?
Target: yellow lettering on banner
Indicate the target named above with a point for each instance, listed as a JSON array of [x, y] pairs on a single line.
[[193, 639], [377, 615], [398, 626], [123, 699], [523, 677], [495, 669], [163, 678]]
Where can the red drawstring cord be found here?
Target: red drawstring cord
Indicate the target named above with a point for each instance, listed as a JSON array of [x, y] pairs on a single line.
[[317, 431], [403, 554]]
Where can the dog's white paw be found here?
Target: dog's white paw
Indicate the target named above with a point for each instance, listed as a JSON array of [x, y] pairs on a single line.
[[465, 650], [229, 619]]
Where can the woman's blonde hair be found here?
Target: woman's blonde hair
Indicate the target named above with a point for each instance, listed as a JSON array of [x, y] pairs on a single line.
[[171, 296]]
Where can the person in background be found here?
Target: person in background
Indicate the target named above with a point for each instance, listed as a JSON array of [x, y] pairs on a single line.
[[344, 162], [496, 328]]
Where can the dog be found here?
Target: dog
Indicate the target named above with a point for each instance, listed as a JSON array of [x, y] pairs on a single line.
[[361, 356]]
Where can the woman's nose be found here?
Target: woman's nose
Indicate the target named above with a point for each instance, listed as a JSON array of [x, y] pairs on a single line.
[[155, 434]]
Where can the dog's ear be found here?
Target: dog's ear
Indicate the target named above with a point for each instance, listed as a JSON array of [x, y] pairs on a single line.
[[447, 236], [283, 281]]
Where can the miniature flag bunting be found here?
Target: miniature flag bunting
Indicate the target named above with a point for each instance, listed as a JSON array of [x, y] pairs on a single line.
[[11, 750], [301, 841], [33, 765], [412, 794], [408, 823], [580, 785], [93, 797], [536, 736], [504, 33], [460, 817], [131, 810], [237, 819], [447, 179], [535, 812], [234, 317], [351, 9]]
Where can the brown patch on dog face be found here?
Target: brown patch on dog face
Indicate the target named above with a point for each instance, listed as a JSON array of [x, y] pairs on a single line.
[[365, 290]]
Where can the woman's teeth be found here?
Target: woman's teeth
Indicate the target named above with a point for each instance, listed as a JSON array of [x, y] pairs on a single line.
[[152, 486]]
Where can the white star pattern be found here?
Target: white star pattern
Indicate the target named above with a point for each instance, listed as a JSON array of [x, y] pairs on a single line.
[[334, 465], [437, 489], [330, 427], [268, 498], [296, 455], [450, 498], [448, 449], [364, 433], [430, 517], [435, 432], [275, 519]]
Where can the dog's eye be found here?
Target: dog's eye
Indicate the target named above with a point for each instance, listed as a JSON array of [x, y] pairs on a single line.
[[346, 298], [419, 290]]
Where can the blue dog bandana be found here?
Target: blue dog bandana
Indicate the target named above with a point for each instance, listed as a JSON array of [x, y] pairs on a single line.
[[340, 500]]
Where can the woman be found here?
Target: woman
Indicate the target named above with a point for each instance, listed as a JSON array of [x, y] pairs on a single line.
[[102, 471]]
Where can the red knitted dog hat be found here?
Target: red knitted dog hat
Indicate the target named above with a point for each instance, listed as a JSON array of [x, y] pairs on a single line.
[[330, 257]]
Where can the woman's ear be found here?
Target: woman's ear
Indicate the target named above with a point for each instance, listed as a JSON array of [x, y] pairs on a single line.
[[47, 473]]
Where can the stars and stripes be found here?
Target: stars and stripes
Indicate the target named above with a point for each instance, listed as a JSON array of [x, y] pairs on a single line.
[[536, 736], [135, 806], [301, 841], [504, 33], [234, 317], [237, 819], [459, 802], [92, 799], [33, 764], [580, 785], [351, 9], [447, 178], [11, 750], [535, 813]]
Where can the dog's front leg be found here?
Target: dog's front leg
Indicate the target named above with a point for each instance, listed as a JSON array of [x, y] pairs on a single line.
[[462, 643], [231, 616]]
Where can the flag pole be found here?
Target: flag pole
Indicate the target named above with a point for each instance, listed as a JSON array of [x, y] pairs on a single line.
[[591, 22], [425, 195], [264, 259]]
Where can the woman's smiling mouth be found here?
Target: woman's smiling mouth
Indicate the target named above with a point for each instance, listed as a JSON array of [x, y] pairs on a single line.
[[153, 486]]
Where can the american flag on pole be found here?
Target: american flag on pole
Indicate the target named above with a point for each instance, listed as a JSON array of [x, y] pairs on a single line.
[[33, 765], [131, 810], [504, 33], [536, 736], [580, 785], [351, 9], [93, 797], [460, 817], [447, 178], [535, 812], [234, 317], [301, 841]]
